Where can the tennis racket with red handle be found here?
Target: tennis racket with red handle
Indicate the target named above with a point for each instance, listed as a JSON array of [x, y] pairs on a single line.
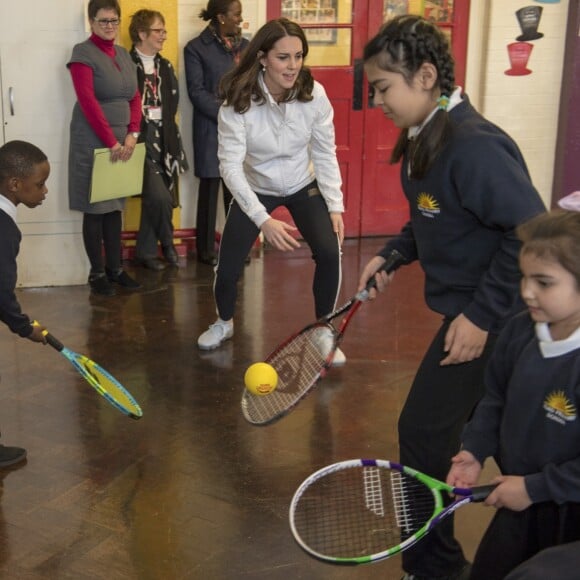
[[304, 358]]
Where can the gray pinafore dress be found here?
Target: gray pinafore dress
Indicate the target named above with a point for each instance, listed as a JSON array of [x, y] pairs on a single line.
[[114, 88]]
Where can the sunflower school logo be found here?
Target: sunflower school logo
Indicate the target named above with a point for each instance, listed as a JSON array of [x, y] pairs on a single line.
[[427, 205], [559, 408]]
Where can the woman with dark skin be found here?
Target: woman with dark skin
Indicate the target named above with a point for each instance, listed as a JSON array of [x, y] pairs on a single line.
[[207, 57]]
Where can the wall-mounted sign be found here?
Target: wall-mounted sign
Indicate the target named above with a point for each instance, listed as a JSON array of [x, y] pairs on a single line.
[[519, 53], [529, 20]]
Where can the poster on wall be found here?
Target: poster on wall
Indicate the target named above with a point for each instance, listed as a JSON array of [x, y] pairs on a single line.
[[519, 52], [519, 55], [529, 21]]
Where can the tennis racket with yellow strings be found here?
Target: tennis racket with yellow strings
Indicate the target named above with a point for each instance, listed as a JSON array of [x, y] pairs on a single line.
[[103, 382]]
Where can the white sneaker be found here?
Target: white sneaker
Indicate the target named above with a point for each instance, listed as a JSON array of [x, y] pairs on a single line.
[[218, 332], [324, 341]]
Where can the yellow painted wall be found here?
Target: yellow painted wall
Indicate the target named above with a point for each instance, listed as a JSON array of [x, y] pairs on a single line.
[[168, 8]]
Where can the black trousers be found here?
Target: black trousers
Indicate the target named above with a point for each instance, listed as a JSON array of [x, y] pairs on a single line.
[[310, 214], [103, 231], [156, 213], [514, 537], [207, 202], [561, 562], [439, 404]]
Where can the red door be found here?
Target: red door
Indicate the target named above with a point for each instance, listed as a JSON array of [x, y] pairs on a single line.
[[337, 31]]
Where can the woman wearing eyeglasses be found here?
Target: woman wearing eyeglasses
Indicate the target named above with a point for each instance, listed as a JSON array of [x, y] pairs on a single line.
[[164, 158], [107, 114], [207, 58]]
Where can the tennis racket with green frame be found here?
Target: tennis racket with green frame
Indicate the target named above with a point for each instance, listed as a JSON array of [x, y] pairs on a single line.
[[365, 510]]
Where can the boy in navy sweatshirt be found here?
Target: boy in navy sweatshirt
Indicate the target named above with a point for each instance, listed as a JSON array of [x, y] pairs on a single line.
[[24, 169]]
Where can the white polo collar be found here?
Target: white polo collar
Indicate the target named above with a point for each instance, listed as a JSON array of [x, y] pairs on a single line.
[[551, 348], [454, 100], [8, 207]]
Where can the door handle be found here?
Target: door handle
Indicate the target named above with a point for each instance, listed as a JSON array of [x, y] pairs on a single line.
[[11, 100], [357, 89]]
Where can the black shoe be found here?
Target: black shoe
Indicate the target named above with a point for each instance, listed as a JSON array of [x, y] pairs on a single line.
[[170, 254], [123, 279], [152, 264], [11, 455], [100, 285], [209, 259]]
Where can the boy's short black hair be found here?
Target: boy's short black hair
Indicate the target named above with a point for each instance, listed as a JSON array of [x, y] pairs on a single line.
[[18, 159]]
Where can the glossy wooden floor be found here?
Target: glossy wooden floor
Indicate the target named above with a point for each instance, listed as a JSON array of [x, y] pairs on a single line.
[[191, 490]]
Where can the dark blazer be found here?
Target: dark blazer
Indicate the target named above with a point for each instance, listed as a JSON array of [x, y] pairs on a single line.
[[206, 61]]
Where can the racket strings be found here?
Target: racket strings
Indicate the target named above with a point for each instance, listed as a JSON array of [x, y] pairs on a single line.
[[413, 503], [373, 492], [359, 512], [107, 385], [299, 364]]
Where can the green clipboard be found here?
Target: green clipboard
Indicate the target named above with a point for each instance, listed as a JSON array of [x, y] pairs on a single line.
[[120, 179]]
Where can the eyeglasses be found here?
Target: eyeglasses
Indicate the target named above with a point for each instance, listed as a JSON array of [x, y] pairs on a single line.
[[160, 31], [104, 22]]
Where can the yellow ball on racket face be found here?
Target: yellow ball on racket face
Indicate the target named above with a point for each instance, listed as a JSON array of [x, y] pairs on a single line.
[[261, 378]]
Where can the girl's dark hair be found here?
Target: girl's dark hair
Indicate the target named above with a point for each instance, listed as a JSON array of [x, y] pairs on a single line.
[[554, 235], [18, 159], [96, 5], [402, 46], [240, 86], [141, 21], [215, 7]]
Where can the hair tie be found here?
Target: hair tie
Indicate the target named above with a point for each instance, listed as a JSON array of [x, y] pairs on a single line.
[[443, 102]]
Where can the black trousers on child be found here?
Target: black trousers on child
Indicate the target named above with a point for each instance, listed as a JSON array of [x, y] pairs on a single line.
[[440, 402], [514, 537], [561, 562], [310, 213]]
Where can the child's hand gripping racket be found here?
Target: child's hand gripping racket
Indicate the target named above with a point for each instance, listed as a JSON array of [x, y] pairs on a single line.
[[366, 510], [304, 358], [105, 384]]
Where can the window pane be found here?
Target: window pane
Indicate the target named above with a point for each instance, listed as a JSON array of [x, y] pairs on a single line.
[[440, 11], [316, 11], [329, 46], [392, 8]]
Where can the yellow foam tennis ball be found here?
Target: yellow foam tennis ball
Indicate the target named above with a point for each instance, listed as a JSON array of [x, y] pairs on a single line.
[[261, 378]]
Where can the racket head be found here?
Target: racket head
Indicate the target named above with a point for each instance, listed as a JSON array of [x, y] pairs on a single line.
[[104, 383], [300, 362], [364, 510]]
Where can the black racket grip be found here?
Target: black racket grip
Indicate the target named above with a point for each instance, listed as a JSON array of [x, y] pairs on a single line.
[[394, 260], [481, 492], [54, 342]]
